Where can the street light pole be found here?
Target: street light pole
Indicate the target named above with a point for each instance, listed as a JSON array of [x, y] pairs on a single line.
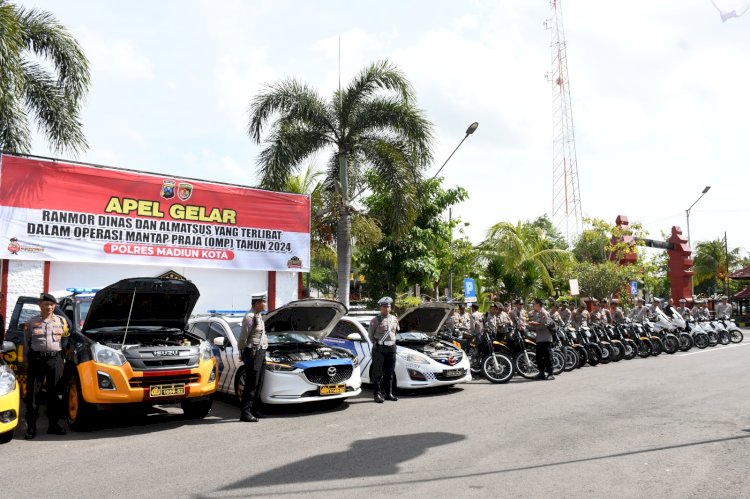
[[687, 216], [450, 250], [472, 128]]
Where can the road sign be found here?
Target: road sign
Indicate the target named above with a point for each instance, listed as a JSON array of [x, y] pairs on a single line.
[[470, 290], [633, 288], [574, 291]]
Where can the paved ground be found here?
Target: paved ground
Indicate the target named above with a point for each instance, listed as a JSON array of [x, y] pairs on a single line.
[[672, 426]]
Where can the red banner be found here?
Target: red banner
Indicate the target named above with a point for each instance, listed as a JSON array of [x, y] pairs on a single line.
[[59, 211]]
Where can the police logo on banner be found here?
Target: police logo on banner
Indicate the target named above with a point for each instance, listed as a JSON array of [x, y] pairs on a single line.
[[167, 189], [184, 191]]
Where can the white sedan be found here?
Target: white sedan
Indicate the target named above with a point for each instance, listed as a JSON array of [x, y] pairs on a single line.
[[300, 368], [422, 359]]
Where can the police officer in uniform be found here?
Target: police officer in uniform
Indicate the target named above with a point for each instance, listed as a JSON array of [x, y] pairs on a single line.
[[519, 316], [491, 320], [618, 316], [253, 344], [639, 312], [581, 316], [683, 309], [382, 332], [724, 309], [476, 320], [540, 323], [43, 334], [565, 313]]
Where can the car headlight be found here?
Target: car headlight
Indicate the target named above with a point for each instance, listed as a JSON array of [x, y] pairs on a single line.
[[206, 351], [108, 356], [414, 357], [279, 367], [7, 381], [355, 361]]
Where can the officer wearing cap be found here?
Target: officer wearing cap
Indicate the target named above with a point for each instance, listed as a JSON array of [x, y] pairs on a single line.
[[382, 332], [565, 313], [683, 309], [700, 311], [653, 309], [519, 316], [638, 314], [43, 334], [253, 344], [476, 320], [581, 316], [540, 323], [491, 320], [724, 309], [618, 316]]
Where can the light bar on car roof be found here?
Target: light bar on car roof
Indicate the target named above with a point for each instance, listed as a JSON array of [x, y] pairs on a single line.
[[227, 312], [78, 291]]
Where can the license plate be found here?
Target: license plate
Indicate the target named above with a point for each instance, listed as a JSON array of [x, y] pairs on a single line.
[[332, 389], [166, 390], [452, 373]]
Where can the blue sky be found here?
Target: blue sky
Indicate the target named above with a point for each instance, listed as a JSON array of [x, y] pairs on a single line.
[[659, 93]]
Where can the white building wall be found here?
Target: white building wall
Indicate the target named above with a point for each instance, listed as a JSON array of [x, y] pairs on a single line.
[[25, 278], [219, 288], [286, 287]]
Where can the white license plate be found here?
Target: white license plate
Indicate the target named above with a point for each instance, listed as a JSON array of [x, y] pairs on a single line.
[[452, 373]]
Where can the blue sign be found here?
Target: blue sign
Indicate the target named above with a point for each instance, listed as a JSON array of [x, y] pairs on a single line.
[[470, 289], [633, 288]]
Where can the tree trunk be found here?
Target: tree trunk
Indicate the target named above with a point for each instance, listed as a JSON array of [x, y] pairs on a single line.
[[344, 233]]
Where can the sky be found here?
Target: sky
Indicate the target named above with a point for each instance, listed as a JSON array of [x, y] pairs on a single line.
[[659, 95]]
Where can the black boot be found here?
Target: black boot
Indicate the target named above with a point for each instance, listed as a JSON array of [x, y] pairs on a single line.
[[390, 396], [248, 418], [55, 429], [379, 398], [539, 376], [30, 432]]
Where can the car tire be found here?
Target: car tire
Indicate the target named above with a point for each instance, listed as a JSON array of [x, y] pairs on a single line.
[[196, 409], [6, 437], [80, 414], [239, 384]]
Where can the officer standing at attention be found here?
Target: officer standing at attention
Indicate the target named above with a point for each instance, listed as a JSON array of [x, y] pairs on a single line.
[[540, 323], [491, 321], [382, 332], [476, 320], [519, 316], [565, 313], [581, 316], [618, 316], [724, 309], [463, 319], [44, 334], [253, 344], [683, 310]]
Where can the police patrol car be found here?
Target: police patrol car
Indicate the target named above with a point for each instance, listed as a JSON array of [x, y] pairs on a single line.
[[422, 359], [300, 368]]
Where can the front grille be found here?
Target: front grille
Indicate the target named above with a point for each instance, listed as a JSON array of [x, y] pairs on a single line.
[[173, 362], [456, 357], [320, 376], [443, 377], [148, 381]]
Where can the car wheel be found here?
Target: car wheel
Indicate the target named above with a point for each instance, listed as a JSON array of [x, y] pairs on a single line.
[[6, 437], [196, 409], [80, 413], [239, 384]]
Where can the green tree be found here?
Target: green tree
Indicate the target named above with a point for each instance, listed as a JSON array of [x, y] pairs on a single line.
[[374, 131], [711, 266], [606, 279], [44, 76], [519, 259]]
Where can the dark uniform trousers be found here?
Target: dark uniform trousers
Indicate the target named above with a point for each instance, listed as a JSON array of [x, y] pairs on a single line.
[[47, 369], [253, 378], [383, 365], [544, 356]]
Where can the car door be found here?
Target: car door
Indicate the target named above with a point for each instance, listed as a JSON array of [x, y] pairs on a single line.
[[216, 330], [360, 348]]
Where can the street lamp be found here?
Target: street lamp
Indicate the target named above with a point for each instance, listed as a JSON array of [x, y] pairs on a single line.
[[687, 215], [472, 128]]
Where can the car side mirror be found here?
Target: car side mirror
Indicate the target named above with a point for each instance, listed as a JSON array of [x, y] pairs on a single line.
[[354, 337], [9, 346], [220, 341]]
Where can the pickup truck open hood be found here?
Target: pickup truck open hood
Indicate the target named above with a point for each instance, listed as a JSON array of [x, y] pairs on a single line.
[[155, 302], [312, 317], [427, 318]]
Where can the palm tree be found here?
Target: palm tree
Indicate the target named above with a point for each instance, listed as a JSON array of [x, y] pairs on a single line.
[[710, 264], [372, 128], [44, 75], [519, 258]]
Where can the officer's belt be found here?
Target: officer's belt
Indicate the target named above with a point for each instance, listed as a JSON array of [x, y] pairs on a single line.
[[34, 353]]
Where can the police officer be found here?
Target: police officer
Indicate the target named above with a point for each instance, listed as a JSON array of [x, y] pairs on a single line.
[[463, 320], [565, 313], [596, 316], [700, 311], [382, 332], [253, 344], [683, 309], [618, 316], [540, 323], [554, 312], [724, 309], [653, 309], [581, 316], [638, 314], [519, 316], [491, 321], [43, 334], [476, 320], [606, 312]]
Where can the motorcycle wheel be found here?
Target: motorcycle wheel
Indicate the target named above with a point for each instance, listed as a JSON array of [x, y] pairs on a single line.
[[558, 361], [594, 354], [701, 340], [645, 347], [686, 342], [713, 338], [631, 349], [571, 358], [475, 362], [658, 346], [619, 351], [526, 369], [608, 353], [583, 357], [736, 336], [724, 338], [671, 344], [500, 374]]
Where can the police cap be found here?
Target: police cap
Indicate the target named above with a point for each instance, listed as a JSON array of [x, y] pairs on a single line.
[[475, 306], [518, 301], [47, 297], [683, 300], [385, 301], [258, 298], [565, 302], [496, 305]]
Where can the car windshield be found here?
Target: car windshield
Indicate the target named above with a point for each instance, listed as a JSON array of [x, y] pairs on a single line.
[[290, 338], [412, 337], [83, 309], [236, 326]]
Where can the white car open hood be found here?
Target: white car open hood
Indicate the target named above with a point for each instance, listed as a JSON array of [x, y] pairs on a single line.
[[312, 317], [427, 318]]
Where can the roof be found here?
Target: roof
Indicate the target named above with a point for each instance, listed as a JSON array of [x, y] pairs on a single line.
[[744, 294], [741, 274]]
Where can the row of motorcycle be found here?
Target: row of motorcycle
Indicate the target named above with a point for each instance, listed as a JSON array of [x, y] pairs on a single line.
[[513, 352]]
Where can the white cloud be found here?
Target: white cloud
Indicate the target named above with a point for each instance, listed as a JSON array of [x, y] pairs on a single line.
[[119, 57]]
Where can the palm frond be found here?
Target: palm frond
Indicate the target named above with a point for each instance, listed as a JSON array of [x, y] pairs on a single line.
[[380, 75]]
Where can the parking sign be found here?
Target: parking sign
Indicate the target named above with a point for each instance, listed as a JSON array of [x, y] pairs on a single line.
[[470, 290], [633, 288]]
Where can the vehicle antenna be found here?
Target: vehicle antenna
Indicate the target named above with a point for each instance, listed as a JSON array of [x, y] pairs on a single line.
[[127, 324]]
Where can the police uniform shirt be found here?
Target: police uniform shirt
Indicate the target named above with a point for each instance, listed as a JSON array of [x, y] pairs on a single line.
[[723, 310], [383, 330], [619, 316], [597, 317], [45, 335], [463, 320], [557, 318], [639, 313], [504, 318], [542, 331], [491, 323], [253, 332], [519, 317], [683, 311], [565, 315], [607, 314], [581, 319], [476, 322]]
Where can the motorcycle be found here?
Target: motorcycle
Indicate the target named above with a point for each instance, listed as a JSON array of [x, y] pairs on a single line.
[[486, 357], [735, 334]]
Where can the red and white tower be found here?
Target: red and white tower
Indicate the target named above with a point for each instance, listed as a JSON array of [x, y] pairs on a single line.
[[566, 199]]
